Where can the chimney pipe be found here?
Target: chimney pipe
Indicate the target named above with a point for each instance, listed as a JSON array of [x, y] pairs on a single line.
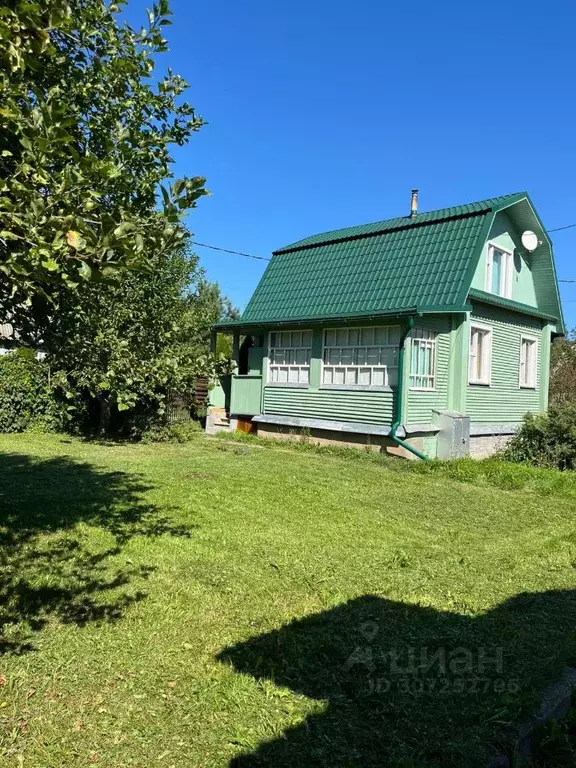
[[414, 204]]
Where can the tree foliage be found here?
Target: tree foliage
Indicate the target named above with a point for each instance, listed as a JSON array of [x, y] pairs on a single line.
[[203, 306], [85, 139], [563, 370], [27, 398], [130, 344], [546, 439]]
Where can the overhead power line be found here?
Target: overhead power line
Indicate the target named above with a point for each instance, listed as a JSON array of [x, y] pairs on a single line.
[[557, 229], [263, 258], [227, 250]]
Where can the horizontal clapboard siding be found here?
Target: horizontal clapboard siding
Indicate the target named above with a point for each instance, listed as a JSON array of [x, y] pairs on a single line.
[[504, 402], [421, 403], [337, 405]]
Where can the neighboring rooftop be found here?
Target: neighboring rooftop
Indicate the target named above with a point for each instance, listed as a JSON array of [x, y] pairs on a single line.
[[423, 263]]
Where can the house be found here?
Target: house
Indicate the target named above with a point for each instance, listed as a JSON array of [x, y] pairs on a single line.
[[425, 335]]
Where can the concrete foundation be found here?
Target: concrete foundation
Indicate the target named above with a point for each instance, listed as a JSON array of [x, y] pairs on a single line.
[[483, 446], [216, 421], [377, 443]]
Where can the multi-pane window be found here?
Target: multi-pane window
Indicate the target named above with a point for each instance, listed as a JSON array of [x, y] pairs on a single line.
[[289, 357], [363, 357], [480, 356], [528, 362], [499, 271], [423, 359]]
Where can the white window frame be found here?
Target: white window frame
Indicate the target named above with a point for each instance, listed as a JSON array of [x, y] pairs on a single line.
[[505, 288], [271, 366], [486, 379], [532, 381], [359, 366], [423, 338]]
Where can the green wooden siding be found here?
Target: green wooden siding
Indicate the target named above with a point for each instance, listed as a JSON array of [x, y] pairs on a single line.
[[504, 402], [246, 395], [361, 406], [421, 403]]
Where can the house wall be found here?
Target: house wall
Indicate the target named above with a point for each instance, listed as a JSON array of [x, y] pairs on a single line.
[[504, 401], [368, 406], [504, 234], [356, 406]]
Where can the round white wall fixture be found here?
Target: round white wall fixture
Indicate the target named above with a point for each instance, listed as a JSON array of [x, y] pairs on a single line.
[[530, 240]]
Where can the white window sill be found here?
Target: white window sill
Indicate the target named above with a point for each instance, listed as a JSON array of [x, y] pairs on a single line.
[[478, 383], [533, 387], [291, 384], [422, 389], [356, 387]]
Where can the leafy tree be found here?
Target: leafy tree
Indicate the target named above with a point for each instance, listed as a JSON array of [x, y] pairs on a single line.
[[130, 344], [85, 140], [204, 306], [563, 369]]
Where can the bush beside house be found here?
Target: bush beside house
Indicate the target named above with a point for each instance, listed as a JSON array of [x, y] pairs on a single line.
[[546, 439], [27, 398]]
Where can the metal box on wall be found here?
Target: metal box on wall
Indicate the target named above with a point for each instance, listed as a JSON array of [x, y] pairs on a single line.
[[454, 435]]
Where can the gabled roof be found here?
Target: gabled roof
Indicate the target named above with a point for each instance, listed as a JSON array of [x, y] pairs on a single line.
[[398, 266]]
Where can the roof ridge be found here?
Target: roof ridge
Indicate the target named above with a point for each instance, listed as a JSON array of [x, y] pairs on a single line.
[[399, 223], [410, 224]]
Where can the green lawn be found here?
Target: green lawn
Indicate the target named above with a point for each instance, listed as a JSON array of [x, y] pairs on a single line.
[[216, 604]]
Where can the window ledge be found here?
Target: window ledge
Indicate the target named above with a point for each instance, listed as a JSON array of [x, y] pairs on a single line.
[[478, 383], [356, 388], [422, 389], [531, 387], [287, 384]]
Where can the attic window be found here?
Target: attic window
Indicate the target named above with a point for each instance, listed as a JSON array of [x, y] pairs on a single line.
[[499, 271]]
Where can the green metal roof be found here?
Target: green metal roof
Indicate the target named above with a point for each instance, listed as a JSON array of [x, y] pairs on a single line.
[[429, 217], [420, 264]]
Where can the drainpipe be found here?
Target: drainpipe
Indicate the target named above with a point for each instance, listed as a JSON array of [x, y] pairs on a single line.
[[400, 395]]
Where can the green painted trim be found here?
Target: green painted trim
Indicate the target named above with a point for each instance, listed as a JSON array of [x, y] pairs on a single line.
[[353, 317], [511, 200], [465, 353], [316, 359], [265, 360], [478, 251], [458, 362], [499, 301], [402, 392], [546, 341]]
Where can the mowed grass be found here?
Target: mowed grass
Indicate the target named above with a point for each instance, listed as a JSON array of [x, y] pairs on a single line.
[[219, 603]]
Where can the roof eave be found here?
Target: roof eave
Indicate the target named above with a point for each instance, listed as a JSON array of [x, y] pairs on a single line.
[[513, 306], [239, 325]]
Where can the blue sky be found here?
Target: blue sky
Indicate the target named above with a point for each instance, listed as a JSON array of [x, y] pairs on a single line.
[[324, 113]]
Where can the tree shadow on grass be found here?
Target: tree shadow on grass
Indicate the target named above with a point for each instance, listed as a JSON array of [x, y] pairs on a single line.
[[409, 686], [62, 528]]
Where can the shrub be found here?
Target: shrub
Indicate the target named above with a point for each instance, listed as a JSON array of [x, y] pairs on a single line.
[[547, 439], [27, 399], [181, 432]]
